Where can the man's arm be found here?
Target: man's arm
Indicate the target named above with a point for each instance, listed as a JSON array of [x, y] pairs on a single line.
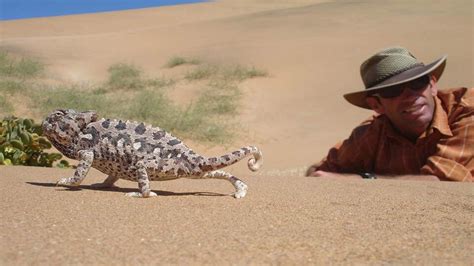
[[353, 154], [454, 156], [324, 174]]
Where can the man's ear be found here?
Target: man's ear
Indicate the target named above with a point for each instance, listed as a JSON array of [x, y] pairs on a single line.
[[434, 87], [375, 104]]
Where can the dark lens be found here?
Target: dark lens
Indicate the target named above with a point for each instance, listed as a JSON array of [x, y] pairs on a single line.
[[419, 84], [391, 92], [395, 91]]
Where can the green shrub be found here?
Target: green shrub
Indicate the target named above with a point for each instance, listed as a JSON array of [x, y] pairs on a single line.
[[7, 65], [152, 107], [12, 86], [224, 73], [177, 61], [124, 77], [21, 144], [159, 83], [240, 73], [70, 97], [196, 122], [201, 72], [5, 106], [29, 68], [207, 118], [23, 68], [219, 98]]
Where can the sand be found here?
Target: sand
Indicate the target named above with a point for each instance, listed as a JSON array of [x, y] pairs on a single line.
[[312, 51], [281, 221]]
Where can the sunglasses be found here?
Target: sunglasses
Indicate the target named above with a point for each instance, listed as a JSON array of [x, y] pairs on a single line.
[[395, 91]]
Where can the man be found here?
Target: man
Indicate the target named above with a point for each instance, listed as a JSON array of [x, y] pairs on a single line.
[[418, 133]]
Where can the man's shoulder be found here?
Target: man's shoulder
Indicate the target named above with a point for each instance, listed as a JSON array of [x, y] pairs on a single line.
[[371, 127], [457, 101], [457, 96]]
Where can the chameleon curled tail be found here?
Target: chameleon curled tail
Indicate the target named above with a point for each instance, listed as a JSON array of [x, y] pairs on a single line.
[[253, 163], [256, 162]]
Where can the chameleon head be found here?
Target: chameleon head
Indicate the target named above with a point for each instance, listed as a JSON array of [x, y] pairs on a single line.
[[64, 125]]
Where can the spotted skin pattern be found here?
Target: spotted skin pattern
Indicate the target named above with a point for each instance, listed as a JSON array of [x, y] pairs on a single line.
[[135, 151]]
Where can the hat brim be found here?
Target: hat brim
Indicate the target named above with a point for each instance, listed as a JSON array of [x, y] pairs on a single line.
[[436, 68]]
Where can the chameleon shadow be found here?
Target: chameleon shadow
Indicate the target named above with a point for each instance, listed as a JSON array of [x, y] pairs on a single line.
[[127, 190]]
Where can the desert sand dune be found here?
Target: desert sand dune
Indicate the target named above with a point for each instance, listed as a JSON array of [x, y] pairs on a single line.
[[312, 51]]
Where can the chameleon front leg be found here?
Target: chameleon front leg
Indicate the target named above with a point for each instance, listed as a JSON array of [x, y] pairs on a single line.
[[143, 183], [86, 157]]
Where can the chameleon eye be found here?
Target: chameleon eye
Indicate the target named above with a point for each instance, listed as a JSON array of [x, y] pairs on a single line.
[[58, 113]]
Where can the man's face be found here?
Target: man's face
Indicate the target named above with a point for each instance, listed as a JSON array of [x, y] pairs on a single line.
[[412, 111]]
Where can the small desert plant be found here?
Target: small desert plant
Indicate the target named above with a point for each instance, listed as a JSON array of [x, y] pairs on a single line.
[[10, 86], [14, 79], [219, 98], [198, 123], [239, 73], [5, 106], [21, 144], [206, 118], [22, 68], [70, 97], [195, 121], [159, 82], [178, 60], [124, 76], [227, 73], [202, 72], [152, 107]]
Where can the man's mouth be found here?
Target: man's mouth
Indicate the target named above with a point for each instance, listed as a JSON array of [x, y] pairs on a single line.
[[414, 110]]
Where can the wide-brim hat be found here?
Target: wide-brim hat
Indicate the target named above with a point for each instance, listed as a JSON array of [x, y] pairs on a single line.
[[390, 67]]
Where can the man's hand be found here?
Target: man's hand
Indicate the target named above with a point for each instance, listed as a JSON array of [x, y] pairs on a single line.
[[324, 174]]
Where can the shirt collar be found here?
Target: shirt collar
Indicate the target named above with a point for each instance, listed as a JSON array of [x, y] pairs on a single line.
[[440, 120]]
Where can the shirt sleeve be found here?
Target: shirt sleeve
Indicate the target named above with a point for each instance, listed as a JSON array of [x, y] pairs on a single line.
[[454, 156], [353, 155]]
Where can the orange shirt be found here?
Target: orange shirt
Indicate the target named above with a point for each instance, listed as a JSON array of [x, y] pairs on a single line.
[[445, 150]]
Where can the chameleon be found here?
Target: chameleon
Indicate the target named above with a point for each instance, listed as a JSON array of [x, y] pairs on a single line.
[[135, 151]]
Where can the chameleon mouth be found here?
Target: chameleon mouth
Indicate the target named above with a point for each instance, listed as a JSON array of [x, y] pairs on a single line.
[[49, 129], [46, 127]]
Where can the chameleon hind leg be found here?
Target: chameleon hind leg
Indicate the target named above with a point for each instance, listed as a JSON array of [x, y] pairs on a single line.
[[240, 187], [143, 183]]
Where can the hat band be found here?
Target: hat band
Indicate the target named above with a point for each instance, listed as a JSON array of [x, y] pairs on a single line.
[[384, 78]]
